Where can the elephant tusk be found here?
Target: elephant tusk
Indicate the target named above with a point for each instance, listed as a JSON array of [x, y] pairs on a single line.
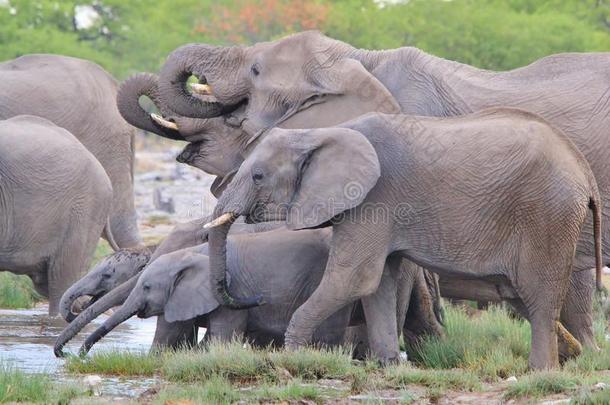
[[223, 219], [201, 89], [163, 122]]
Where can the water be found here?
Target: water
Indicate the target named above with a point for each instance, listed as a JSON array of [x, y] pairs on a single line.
[[27, 338]]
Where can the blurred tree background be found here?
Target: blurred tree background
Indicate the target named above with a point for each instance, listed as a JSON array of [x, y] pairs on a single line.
[[126, 36]]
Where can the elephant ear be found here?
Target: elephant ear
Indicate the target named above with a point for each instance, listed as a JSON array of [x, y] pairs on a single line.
[[351, 91], [338, 167], [192, 294]]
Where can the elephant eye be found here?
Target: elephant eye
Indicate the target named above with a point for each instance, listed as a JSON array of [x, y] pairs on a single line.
[[257, 176], [146, 287], [106, 276], [255, 70]]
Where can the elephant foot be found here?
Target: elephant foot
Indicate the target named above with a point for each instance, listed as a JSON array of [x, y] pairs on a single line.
[[569, 347]]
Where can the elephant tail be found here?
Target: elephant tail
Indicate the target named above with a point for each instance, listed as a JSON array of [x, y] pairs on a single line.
[[110, 237], [594, 205]]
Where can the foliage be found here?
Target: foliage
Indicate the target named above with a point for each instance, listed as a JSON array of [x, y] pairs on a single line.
[[17, 386], [492, 344], [17, 291], [137, 35]]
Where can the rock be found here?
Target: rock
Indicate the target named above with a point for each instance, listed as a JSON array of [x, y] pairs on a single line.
[[556, 401], [511, 379], [601, 386], [93, 383]]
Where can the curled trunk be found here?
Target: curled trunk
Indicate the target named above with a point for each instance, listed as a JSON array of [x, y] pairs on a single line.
[[76, 291], [195, 59], [142, 84], [114, 298], [217, 242]]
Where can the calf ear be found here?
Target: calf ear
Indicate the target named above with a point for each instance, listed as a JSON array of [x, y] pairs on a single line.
[[192, 294], [337, 169]]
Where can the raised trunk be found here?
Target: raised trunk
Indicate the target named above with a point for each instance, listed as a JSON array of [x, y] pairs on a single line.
[[142, 84], [217, 244], [194, 59], [127, 310], [114, 298]]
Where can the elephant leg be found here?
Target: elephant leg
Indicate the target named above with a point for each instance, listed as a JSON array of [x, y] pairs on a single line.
[[353, 271], [422, 318], [174, 335], [227, 324], [380, 312], [567, 345], [577, 310]]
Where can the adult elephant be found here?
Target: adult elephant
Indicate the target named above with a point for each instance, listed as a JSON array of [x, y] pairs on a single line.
[[54, 204], [79, 96], [506, 203], [271, 83]]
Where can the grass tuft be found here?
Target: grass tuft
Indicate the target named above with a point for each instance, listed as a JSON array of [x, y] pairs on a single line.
[[115, 362], [401, 375], [539, 384], [492, 344], [310, 363], [295, 391], [216, 390], [17, 291], [228, 360]]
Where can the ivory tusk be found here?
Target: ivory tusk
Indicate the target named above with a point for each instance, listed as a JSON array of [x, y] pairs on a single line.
[[201, 89], [163, 122], [223, 219]]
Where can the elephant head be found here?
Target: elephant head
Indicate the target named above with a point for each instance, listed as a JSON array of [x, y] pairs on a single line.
[[274, 83], [176, 285], [305, 177], [214, 146], [112, 271]]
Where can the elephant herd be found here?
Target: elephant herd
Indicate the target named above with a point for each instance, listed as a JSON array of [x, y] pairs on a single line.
[[351, 184]]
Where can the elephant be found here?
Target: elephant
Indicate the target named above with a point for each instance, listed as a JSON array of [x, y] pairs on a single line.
[[497, 194], [178, 286], [79, 96], [269, 84], [108, 274], [54, 204]]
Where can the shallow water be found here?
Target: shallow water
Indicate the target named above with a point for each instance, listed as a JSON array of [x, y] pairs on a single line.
[[27, 338]]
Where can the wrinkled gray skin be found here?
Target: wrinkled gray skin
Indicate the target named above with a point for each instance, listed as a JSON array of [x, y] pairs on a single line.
[[54, 200], [177, 285], [108, 274], [422, 318], [79, 96], [281, 80], [504, 201]]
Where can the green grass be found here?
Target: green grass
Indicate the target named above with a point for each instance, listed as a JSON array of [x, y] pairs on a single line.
[[492, 344], [122, 363], [17, 386], [17, 291], [399, 376], [477, 351], [216, 390], [540, 384]]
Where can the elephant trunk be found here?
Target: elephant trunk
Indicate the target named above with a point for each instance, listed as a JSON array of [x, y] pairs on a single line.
[[110, 300], [217, 242], [127, 310], [76, 291], [143, 84], [180, 65]]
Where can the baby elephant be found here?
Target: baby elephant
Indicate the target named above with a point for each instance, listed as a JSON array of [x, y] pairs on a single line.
[[54, 202], [177, 285], [108, 274], [499, 195]]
